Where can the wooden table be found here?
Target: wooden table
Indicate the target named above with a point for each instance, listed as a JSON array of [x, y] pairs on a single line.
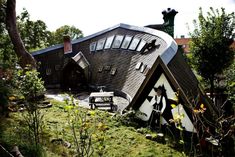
[[101, 99]]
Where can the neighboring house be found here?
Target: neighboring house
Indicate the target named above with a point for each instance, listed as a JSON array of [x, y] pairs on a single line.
[[184, 43], [129, 60]]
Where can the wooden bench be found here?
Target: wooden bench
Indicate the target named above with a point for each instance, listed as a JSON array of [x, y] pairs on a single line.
[[101, 99]]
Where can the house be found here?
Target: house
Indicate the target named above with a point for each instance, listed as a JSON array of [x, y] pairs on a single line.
[[126, 59], [184, 43]]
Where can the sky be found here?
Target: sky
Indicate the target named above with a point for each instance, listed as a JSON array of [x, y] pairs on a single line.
[[92, 16]]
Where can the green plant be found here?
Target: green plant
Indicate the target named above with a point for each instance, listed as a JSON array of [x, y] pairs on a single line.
[[80, 127], [31, 87], [211, 44], [130, 118]]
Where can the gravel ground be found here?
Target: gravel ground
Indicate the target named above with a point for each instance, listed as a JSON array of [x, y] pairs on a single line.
[[83, 99]]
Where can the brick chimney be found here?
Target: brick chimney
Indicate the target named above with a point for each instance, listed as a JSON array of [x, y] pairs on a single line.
[[67, 44]]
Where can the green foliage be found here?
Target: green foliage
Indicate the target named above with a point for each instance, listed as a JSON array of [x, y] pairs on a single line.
[[31, 87], [2, 15], [81, 129], [73, 32], [117, 140], [230, 82], [210, 45], [33, 33], [14, 132], [130, 118], [30, 84]]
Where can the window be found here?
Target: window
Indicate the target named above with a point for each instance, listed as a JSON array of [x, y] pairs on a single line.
[[126, 42], [134, 43], [57, 67], [113, 71], [100, 44], [108, 42], [92, 46], [100, 69], [138, 65], [143, 68], [48, 71], [117, 41], [141, 45], [146, 71], [107, 67]]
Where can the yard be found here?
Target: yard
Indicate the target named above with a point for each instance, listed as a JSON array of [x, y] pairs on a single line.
[[109, 136]]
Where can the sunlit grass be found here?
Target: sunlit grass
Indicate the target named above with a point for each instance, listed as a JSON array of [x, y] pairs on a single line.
[[119, 140]]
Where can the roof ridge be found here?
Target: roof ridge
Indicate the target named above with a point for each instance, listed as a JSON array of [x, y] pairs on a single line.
[[166, 37]]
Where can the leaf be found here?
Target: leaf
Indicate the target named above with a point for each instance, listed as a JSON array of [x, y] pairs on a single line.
[[68, 108], [202, 106], [181, 142], [173, 105], [92, 113]]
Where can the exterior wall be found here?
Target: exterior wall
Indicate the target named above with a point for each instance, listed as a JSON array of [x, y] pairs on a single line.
[[50, 67], [147, 106], [184, 42]]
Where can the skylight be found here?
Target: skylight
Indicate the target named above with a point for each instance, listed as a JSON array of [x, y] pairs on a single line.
[[141, 45], [117, 41], [109, 42], [100, 44], [92, 46], [126, 42], [134, 43]]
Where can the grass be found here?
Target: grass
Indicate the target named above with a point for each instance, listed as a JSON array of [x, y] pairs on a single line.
[[119, 140]]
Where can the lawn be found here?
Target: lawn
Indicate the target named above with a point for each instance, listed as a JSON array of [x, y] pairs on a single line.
[[114, 140]]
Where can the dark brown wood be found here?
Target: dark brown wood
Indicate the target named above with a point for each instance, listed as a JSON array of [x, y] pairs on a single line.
[[25, 58]]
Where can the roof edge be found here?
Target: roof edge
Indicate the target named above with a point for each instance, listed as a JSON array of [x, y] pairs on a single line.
[[167, 38]]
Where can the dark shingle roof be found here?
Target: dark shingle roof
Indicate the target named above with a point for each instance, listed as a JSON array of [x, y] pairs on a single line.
[[163, 35]]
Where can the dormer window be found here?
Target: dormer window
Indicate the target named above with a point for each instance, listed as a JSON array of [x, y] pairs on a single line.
[[117, 41], [134, 43], [126, 42], [109, 42], [100, 44]]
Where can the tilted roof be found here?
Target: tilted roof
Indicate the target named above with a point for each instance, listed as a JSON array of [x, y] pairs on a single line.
[[117, 68]]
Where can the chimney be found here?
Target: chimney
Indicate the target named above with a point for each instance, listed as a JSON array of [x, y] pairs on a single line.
[[168, 25], [67, 44], [169, 17]]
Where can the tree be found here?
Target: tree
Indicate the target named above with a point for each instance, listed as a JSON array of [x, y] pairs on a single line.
[[230, 82], [33, 33], [210, 45], [72, 31], [24, 57]]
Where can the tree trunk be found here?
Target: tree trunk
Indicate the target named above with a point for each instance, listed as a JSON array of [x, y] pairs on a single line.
[[24, 57]]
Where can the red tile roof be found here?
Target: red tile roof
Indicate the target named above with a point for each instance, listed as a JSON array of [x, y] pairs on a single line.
[[185, 43]]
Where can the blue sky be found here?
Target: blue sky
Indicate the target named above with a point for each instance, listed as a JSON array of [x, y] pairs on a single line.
[[92, 16]]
